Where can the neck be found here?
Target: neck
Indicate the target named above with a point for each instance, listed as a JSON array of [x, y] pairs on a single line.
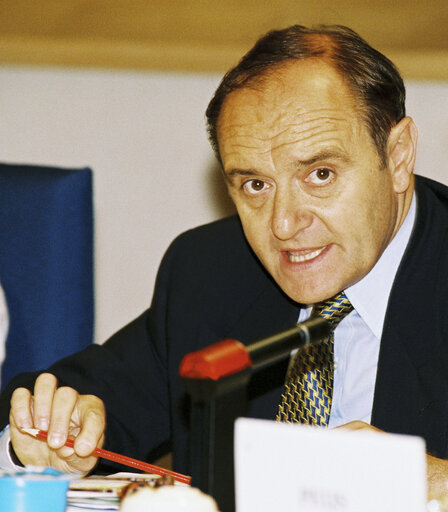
[[404, 203]]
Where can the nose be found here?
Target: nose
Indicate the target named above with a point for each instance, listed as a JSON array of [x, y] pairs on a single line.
[[290, 215]]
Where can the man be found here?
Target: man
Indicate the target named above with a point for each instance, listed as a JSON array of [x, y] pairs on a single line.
[[318, 156]]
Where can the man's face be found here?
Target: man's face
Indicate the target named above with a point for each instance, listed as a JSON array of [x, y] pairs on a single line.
[[315, 204]]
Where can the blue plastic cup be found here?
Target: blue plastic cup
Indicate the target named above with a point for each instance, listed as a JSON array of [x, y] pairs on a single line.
[[34, 491]]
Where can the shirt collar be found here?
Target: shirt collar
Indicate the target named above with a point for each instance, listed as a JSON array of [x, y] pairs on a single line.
[[370, 295]]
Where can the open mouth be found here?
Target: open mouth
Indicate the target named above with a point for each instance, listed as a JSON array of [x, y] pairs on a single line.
[[300, 258]]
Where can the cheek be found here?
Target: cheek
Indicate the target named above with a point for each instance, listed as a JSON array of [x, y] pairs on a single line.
[[256, 232], [258, 235], [367, 224], [256, 221]]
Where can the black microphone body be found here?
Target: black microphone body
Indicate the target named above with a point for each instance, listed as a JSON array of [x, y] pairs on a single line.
[[217, 379], [269, 350]]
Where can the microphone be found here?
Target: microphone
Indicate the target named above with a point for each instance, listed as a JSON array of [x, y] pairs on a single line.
[[230, 356], [217, 378], [269, 350]]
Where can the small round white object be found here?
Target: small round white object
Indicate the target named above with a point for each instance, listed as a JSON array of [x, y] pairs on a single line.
[[168, 498]]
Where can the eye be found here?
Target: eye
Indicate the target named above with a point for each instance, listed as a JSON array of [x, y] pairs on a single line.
[[320, 176], [254, 187]]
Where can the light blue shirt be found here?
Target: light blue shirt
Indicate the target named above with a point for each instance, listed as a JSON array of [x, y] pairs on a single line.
[[357, 337]]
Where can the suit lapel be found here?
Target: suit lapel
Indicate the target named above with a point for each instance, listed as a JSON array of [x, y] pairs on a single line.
[[411, 392]]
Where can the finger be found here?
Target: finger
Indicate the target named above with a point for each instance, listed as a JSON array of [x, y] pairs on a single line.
[[358, 425], [44, 390], [73, 463], [353, 425], [20, 413], [64, 402], [29, 451], [93, 423]]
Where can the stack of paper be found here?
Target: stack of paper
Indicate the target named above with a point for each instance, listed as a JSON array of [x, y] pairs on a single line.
[[103, 493]]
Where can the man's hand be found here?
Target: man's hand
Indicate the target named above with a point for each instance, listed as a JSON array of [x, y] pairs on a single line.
[[359, 425], [436, 469], [63, 412]]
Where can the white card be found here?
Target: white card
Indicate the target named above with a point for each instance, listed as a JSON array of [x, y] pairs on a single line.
[[285, 467]]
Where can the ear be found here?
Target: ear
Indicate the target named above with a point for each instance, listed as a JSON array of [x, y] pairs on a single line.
[[401, 153]]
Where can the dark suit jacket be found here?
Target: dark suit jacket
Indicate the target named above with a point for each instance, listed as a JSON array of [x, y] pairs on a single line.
[[210, 286]]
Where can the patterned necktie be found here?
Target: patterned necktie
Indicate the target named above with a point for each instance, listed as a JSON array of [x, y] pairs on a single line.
[[309, 383]]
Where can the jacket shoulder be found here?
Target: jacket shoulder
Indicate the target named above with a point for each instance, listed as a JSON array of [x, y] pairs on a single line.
[[217, 234], [217, 252], [427, 185]]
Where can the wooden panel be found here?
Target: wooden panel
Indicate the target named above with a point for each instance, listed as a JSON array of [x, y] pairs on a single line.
[[209, 36]]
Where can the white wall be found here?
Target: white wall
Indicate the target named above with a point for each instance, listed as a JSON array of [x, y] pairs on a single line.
[[427, 103], [155, 176]]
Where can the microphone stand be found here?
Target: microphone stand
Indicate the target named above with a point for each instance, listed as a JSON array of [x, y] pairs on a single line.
[[216, 379]]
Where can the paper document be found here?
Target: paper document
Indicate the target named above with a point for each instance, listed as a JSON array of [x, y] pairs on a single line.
[[282, 466]]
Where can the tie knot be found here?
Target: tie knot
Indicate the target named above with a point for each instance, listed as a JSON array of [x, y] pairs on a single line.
[[334, 309]]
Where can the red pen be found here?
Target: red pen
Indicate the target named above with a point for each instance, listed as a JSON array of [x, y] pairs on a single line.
[[116, 457]]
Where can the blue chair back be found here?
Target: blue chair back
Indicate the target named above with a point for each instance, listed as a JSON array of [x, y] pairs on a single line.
[[46, 264]]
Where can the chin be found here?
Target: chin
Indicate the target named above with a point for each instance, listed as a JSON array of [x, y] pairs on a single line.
[[312, 294]]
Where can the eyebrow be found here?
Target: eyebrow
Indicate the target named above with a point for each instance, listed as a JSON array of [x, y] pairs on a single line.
[[323, 155], [238, 172], [241, 172]]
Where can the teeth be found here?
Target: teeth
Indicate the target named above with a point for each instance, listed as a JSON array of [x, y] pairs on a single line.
[[295, 258]]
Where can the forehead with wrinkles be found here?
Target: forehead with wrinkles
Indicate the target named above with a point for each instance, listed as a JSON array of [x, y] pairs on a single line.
[[303, 101]]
